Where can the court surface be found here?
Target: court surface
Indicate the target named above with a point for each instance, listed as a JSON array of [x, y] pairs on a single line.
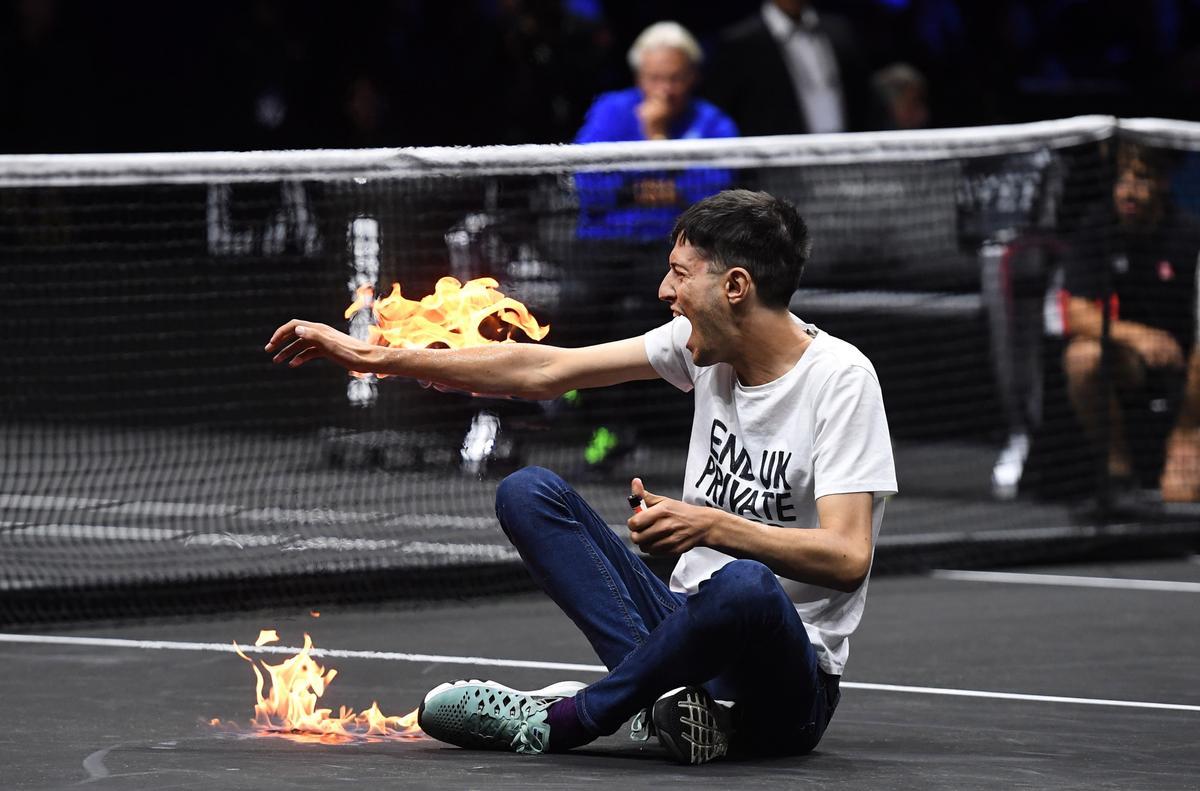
[[1038, 680]]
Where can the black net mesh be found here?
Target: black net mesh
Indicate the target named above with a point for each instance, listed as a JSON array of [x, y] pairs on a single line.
[[154, 459]]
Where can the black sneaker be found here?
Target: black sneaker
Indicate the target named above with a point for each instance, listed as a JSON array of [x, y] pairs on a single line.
[[693, 727]]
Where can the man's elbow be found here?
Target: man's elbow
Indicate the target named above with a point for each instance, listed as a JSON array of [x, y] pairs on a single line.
[[852, 571], [550, 377], [541, 387], [540, 393], [540, 383]]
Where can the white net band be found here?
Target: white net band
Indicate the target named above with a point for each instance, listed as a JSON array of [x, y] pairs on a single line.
[[53, 170]]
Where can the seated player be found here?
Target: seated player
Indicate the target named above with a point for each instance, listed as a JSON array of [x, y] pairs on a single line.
[[1149, 278], [787, 473]]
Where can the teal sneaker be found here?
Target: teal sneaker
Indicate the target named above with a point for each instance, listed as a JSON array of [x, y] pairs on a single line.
[[694, 728], [484, 715]]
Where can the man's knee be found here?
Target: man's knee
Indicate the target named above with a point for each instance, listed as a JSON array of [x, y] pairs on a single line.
[[747, 586], [515, 492], [1081, 359]]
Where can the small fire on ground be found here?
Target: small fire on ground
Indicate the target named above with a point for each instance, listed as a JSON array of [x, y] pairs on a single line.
[[455, 315], [289, 709]]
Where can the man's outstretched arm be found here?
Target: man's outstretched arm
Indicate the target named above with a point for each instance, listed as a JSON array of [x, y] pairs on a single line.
[[525, 370]]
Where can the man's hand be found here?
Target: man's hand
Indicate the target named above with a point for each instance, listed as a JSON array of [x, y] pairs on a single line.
[[655, 192], [300, 341], [1157, 348], [654, 114], [668, 527]]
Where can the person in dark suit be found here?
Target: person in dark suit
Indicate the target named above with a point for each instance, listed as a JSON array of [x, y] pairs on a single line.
[[788, 70]]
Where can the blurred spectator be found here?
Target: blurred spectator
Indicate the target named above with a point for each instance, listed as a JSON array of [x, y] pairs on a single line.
[[788, 70], [625, 217], [905, 95], [366, 112], [1149, 285], [642, 206]]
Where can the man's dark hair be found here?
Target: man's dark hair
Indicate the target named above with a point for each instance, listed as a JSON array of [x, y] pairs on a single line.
[[1157, 160], [763, 234]]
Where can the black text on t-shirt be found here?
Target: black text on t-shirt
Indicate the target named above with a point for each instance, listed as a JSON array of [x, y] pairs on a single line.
[[730, 476]]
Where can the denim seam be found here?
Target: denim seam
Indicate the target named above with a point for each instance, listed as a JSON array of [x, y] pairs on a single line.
[[671, 606], [580, 534]]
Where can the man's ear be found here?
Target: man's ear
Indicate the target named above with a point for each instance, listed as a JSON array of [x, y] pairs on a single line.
[[738, 285]]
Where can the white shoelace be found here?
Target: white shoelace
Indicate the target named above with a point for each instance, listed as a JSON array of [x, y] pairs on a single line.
[[639, 729], [528, 739]]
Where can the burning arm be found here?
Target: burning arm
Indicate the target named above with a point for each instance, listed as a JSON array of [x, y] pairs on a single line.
[[836, 555], [524, 370]]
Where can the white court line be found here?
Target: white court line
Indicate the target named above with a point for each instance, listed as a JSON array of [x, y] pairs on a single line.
[[172, 645], [975, 693], [110, 642], [1066, 581]]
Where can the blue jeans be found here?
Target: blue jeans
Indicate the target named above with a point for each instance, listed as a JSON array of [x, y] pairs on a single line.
[[739, 635]]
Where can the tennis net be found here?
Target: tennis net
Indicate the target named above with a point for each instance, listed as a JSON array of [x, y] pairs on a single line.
[[154, 460]]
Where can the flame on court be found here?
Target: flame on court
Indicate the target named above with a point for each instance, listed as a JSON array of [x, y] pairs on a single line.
[[455, 315], [290, 706]]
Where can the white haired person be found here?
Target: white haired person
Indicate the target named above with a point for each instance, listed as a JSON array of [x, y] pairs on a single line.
[[665, 60], [624, 215]]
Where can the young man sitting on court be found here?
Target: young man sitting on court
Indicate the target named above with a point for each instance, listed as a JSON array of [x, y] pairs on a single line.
[[788, 469]]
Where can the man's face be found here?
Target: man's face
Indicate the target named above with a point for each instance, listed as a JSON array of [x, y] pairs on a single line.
[[1138, 194], [910, 109], [693, 291], [666, 74]]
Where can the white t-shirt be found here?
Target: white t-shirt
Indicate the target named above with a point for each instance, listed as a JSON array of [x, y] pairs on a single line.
[[768, 452]]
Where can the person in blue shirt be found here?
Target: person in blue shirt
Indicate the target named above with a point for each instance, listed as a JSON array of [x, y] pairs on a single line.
[[616, 260], [642, 205]]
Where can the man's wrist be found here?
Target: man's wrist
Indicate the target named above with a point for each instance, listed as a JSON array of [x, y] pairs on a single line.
[[721, 530], [385, 360]]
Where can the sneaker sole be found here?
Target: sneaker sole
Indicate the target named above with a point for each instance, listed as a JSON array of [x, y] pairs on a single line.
[[707, 739]]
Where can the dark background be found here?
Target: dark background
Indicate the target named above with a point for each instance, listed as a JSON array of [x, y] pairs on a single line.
[[136, 75]]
